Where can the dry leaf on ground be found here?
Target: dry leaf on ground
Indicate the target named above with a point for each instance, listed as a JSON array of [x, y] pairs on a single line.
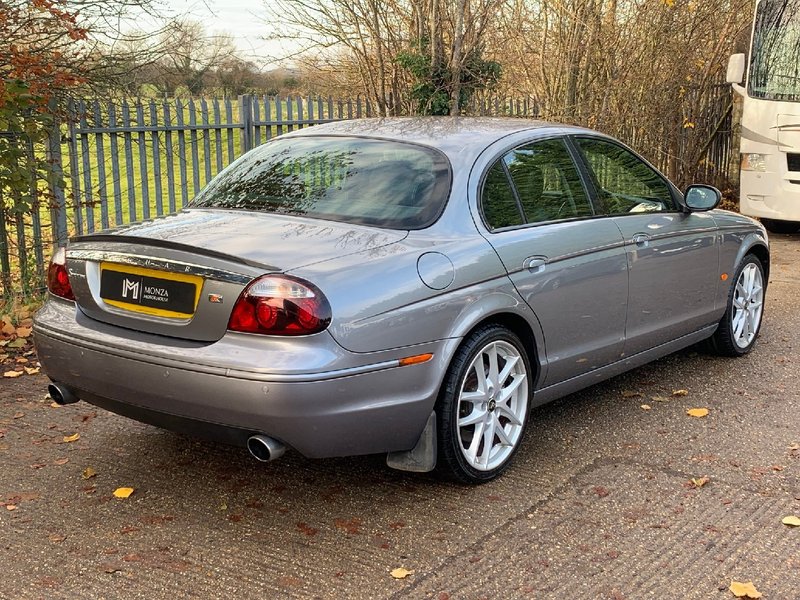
[[401, 573], [23, 332], [697, 412], [88, 473], [629, 394], [32, 370], [11, 374], [791, 521], [72, 438], [744, 589], [680, 393], [699, 481], [646, 407], [11, 507], [123, 492]]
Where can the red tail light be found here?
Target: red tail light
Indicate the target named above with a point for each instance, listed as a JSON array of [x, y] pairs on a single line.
[[57, 276], [280, 305]]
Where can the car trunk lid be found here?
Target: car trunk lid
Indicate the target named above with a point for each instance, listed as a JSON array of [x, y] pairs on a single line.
[[181, 275]]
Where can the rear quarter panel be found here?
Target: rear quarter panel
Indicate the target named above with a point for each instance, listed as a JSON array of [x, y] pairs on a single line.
[[379, 301]]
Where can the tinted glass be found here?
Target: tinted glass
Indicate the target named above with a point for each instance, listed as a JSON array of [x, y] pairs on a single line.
[[624, 182], [775, 59], [500, 208], [354, 180], [547, 182]]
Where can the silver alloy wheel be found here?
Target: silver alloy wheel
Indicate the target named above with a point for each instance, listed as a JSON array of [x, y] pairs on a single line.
[[748, 305], [492, 404]]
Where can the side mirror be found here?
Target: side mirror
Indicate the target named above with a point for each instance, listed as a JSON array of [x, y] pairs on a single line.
[[699, 198], [735, 72]]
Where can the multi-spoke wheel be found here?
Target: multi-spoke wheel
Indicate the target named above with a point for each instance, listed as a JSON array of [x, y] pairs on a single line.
[[739, 327], [484, 404]]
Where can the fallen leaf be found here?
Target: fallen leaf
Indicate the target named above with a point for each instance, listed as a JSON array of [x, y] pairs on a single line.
[[72, 438], [659, 399], [32, 370], [791, 521], [17, 343], [645, 407], [23, 332], [744, 590], [401, 573], [8, 328], [12, 374], [123, 492], [11, 507], [21, 360], [680, 393], [699, 482], [629, 394], [56, 537], [88, 473], [55, 405], [697, 412], [61, 461], [19, 415]]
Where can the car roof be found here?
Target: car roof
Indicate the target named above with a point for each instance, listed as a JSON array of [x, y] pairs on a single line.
[[452, 135]]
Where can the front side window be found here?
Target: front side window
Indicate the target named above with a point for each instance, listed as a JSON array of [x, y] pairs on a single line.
[[775, 56], [546, 187], [625, 183], [353, 180]]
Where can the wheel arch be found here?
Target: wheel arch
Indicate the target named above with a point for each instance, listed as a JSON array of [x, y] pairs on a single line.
[[521, 327], [761, 252]]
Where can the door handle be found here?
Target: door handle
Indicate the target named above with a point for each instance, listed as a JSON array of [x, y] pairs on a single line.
[[641, 239], [535, 264]]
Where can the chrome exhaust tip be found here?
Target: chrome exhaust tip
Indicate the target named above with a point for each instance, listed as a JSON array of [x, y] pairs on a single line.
[[61, 394], [265, 449]]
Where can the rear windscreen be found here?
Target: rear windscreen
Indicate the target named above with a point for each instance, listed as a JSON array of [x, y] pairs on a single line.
[[354, 180]]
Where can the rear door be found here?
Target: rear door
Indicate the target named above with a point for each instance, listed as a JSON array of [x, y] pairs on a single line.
[[569, 266], [673, 257]]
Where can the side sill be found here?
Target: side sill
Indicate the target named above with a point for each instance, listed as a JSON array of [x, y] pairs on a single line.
[[570, 386]]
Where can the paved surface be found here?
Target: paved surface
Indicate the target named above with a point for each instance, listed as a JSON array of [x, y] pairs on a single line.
[[598, 504]]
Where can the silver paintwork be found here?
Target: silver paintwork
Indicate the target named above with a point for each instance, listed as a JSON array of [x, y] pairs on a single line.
[[591, 297]]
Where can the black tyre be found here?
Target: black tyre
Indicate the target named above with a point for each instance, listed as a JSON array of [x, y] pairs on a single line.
[[739, 327], [776, 226], [483, 406]]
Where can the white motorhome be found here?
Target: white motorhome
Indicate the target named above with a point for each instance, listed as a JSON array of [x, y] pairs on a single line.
[[770, 134]]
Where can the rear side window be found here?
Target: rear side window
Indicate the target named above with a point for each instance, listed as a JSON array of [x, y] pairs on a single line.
[[500, 207], [625, 183], [354, 180], [545, 186]]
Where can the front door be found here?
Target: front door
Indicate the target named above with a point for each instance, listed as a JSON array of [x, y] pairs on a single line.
[[673, 257]]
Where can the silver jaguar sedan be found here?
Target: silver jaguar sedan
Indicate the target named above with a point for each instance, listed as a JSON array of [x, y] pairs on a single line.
[[402, 286]]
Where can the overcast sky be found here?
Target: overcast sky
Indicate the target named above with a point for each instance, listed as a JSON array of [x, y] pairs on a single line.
[[243, 19]]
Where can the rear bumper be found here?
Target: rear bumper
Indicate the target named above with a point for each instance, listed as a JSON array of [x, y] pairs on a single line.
[[325, 414]]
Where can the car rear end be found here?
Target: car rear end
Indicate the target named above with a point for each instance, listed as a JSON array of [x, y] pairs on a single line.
[[194, 323]]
